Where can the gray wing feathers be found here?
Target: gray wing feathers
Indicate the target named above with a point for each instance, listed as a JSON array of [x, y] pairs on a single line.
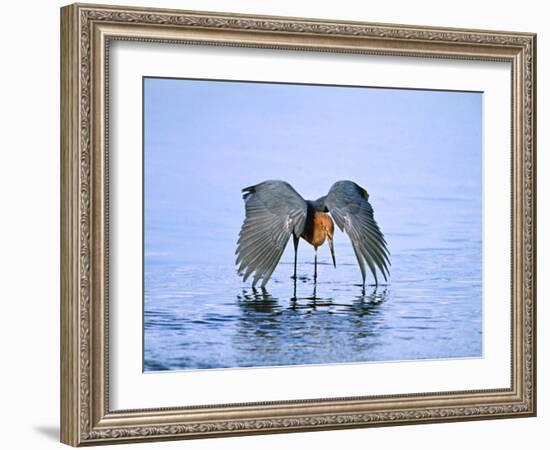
[[348, 203], [274, 211]]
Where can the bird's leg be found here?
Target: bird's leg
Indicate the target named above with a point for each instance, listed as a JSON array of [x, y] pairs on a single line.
[[296, 242], [315, 269]]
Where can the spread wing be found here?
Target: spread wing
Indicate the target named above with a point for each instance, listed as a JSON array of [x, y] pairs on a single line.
[[348, 204], [274, 211]]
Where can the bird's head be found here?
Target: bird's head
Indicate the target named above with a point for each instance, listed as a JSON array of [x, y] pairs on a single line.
[[330, 240], [327, 225], [319, 204]]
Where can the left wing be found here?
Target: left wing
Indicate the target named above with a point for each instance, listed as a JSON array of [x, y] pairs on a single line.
[[274, 212]]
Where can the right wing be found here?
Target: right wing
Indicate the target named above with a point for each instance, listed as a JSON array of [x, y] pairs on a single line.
[[348, 204], [274, 211]]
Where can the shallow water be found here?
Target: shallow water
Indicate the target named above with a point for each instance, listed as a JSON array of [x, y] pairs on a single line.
[[202, 316], [418, 153]]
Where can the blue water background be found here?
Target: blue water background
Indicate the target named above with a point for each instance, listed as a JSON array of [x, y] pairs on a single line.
[[418, 153]]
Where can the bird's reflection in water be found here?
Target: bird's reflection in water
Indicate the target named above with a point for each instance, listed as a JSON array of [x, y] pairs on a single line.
[[370, 301], [307, 327], [257, 300], [260, 300]]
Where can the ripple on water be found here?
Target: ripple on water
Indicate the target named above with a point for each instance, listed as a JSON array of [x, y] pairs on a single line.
[[204, 317]]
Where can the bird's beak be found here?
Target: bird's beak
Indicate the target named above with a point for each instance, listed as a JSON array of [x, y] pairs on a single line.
[[331, 246]]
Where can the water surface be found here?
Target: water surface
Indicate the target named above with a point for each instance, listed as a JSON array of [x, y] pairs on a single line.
[[418, 153]]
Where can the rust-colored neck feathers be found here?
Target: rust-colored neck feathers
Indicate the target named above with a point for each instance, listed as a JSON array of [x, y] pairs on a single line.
[[318, 229]]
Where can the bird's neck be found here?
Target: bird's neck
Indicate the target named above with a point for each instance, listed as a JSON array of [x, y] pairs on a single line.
[[318, 227]]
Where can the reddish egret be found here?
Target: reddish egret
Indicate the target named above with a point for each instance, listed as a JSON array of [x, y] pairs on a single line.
[[275, 211]]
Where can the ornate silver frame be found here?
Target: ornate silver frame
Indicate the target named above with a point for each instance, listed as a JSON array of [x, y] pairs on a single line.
[[86, 31]]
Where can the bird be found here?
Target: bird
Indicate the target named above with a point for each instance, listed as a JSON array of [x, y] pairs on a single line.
[[275, 211]]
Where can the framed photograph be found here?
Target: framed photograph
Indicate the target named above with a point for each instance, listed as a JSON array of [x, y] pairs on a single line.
[[275, 224]]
